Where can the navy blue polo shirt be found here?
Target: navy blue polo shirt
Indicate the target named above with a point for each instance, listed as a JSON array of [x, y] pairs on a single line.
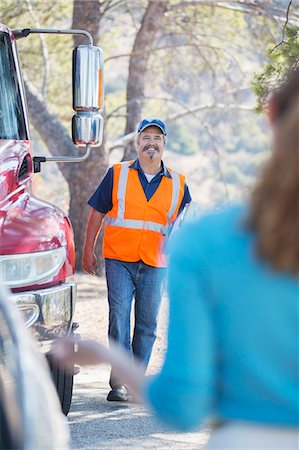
[[101, 200]]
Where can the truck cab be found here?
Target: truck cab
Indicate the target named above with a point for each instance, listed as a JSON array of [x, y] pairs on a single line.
[[37, 250]]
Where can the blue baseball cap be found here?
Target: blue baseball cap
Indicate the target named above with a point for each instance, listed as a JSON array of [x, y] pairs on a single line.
[[145, 123]]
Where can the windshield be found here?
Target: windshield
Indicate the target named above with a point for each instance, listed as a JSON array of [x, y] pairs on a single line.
[[12, 121]]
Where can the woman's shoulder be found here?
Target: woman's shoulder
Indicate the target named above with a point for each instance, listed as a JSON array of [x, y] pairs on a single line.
[[212, 229], [225, 220]]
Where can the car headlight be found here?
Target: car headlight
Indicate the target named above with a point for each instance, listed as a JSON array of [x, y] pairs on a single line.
[[26, 269]]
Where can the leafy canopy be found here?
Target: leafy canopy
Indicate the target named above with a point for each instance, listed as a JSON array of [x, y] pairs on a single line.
[[282, 58]]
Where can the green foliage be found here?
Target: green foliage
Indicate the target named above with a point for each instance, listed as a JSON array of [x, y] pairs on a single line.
[[282, 58]]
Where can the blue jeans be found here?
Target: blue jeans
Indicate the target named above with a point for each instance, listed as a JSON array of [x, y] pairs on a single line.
[[126, 280]]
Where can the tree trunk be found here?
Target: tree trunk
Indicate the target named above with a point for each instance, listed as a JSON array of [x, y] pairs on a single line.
[[150, 26], [82, 183], [86, 177], [86, 16], [53, 133]]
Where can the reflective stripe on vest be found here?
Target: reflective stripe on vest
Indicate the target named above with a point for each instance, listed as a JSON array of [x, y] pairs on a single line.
[[136, 224], [122, 184], [120, 221]]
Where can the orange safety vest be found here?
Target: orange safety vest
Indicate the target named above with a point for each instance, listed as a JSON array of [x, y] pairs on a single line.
[[135, 228]]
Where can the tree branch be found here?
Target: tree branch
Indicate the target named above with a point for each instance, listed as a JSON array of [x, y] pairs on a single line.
[[246, 7], [284, 27], [108, 5], [218, 159], [124, 140]]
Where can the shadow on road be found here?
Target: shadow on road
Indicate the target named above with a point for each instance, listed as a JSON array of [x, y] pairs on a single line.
[[98, 424]]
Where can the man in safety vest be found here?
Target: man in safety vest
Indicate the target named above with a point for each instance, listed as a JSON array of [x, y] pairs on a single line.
[[137, 203]]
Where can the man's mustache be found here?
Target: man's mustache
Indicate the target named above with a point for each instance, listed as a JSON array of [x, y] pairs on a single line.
[[146, 147]]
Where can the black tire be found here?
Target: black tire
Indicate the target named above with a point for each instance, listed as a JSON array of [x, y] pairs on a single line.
[[63, 381]]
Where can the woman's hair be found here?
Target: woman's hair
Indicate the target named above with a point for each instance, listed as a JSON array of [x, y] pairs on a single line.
[[274, 210]]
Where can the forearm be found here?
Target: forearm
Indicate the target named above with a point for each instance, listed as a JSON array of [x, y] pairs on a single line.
[[127, 369], [70, 351], [93, 229], [94, 225]]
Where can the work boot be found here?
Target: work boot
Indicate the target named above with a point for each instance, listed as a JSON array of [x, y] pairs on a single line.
[[119, 393]]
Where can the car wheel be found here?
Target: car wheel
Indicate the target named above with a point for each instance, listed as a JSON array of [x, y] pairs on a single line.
[[63, 381]]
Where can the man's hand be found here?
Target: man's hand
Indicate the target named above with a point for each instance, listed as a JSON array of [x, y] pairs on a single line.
[[89, 262]]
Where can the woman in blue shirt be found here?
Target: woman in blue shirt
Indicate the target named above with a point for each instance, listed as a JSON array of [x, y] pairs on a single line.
[[233, 342]]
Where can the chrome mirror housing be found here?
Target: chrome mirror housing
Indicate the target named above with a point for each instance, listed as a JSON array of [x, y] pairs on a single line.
[[87, 128], [88, 95]]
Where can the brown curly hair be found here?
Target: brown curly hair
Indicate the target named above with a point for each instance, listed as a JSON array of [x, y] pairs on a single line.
[[274, 210]]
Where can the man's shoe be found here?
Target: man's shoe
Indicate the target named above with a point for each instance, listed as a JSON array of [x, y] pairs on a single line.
[[118, 393]]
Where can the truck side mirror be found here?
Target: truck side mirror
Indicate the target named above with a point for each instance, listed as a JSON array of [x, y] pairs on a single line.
[[88, 95]]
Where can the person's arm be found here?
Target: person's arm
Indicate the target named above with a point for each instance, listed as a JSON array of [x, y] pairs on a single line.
[[72, 351], [176, 224], [185, 200], [101, 203], [94, 224]]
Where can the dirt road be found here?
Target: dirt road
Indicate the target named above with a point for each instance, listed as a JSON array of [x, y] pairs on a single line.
[[98, 424]]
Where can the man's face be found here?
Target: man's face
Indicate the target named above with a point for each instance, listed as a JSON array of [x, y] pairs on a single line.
[[150, 144]]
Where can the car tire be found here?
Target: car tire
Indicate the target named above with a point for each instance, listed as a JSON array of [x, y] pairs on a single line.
[[63, 381]]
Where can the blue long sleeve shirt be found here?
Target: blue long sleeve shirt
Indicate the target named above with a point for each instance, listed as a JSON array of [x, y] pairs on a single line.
[[233, 342]]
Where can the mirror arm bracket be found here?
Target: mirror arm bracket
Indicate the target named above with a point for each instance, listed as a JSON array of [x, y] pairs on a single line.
[[19, 34], [37, 160]]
